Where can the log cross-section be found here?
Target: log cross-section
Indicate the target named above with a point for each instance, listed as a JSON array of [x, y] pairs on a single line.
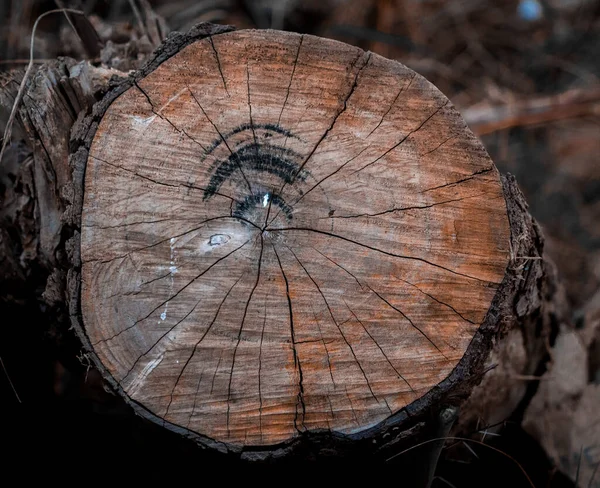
[[284, 234]]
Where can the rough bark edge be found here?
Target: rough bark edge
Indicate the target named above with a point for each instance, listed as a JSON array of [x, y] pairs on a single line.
[[409, 424]]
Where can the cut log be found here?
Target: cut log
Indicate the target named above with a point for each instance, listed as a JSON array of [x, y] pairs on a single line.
[[282, 239], [283, 234]]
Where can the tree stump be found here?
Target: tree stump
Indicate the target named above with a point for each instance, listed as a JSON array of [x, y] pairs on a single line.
[[286, 238]]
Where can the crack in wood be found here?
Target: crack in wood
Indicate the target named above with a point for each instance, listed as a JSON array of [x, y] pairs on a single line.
[[439, 301], [318, 322], [157, 182], [218, 60], [170, 298], [392, 104], [462, 180], [452, 137], [212, 385], [195, 348], [239, 338], [339, 266], [260, 400], [136, 292], [410, 321], [382, 352], [162, 241], [351, 406], [222, 138], [402, 209], [337, 324], [291, 79], [250, 108], [403, 139], [187, 425], [297, 363], [129, 224], [145, 283], [400, 256], [165, 118]]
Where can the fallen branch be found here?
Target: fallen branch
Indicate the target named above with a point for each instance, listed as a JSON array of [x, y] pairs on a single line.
[[486, 119]]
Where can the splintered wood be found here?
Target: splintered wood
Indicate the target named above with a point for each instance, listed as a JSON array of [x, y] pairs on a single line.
[[284, 234]]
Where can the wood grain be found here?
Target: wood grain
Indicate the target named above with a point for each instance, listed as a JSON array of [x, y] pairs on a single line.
[[282, 234]]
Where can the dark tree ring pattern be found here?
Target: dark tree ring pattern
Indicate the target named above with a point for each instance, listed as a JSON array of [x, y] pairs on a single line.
[[256, 154]]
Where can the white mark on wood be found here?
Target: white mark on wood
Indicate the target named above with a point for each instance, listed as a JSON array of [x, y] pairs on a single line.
[[218, 239], [141, 378], [266, 200], [142, 122], [173, 269], [172, 99]]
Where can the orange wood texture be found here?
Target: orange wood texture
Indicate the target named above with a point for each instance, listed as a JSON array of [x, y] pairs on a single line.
[[284, 233]]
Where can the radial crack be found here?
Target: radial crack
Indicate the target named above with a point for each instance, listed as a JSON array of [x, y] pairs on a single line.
[[222, 138], [339, 266], [161, 183], [402, 209], [187, 426], [410, 321], [260, 401], [250, 109], [438, 146], [470, 177], [400, 256], [364, 58], [297, 363], [173, 296], [381, 350], [438, 301], [392, 105], [287, 95], [337, 325], [164, 117], [163, 240], [212, 385], [404, 138], [127, 224], [352, 406], [195, 348], [218, 60], [239, 338], [324, 345]]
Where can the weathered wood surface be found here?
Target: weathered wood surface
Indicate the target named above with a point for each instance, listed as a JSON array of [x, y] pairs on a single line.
[[283, 234]]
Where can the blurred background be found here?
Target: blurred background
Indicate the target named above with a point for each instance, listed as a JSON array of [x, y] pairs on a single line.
[[525, 74]]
